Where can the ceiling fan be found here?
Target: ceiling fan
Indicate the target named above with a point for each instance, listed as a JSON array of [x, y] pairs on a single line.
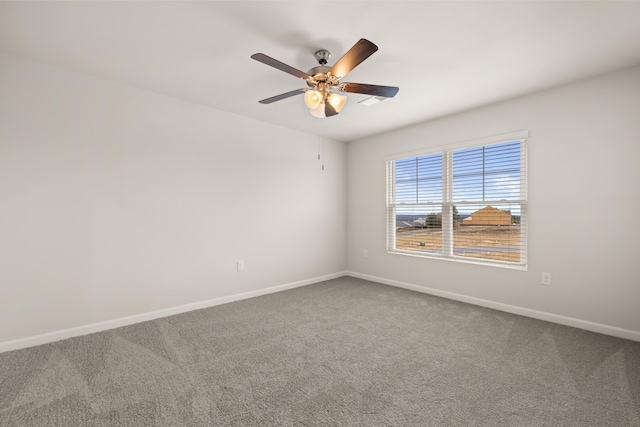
[[323, 80]]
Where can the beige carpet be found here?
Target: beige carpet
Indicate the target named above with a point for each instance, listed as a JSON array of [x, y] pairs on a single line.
[[346, 352]]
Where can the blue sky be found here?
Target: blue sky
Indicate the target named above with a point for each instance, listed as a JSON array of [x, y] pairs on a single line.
[[480, 173]]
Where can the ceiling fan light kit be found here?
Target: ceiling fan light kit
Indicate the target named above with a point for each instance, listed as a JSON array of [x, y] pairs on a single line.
[[323, 80], [319, 112], [337, 101], [312, 98]]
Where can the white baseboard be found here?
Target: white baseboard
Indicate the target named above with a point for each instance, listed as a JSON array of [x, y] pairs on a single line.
[[143, 317], [527, 312], [151, 315]]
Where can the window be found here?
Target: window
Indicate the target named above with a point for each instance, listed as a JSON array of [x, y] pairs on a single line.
[[464, 202]]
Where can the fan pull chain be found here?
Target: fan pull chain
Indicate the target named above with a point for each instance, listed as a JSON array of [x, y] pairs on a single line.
[[321, 153]]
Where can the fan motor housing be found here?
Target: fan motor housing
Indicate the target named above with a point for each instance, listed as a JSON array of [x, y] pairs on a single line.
[[321, 75], [319, 72]]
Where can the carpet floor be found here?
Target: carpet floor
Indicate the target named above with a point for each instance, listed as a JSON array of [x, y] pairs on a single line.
[[345, 352]]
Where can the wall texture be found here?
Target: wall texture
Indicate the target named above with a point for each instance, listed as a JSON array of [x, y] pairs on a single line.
[[117, 201], [584, 202]]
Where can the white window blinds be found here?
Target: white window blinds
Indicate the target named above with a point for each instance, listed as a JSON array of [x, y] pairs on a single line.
[[466, 202]]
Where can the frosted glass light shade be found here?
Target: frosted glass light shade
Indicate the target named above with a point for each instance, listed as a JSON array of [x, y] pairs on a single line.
[[337, 101], [319, 111], [312, 98]]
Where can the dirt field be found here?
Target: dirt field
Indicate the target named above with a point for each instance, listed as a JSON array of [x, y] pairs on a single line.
[[479, 241]]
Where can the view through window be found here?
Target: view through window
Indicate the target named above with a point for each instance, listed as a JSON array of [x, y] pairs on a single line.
[[462, 203]]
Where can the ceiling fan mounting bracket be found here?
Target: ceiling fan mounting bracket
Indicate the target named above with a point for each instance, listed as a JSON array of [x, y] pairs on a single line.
[[322, 56]]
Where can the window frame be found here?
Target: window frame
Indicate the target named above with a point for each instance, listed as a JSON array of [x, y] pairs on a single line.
[[447, 202]]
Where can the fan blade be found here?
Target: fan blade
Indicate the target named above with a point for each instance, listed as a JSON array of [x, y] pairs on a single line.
[[329, 110], [261, 57], [358, 53], [386, 91], [283, 96]]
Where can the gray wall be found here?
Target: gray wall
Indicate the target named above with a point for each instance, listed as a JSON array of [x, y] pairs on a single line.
[[117, 201], [584, 204]]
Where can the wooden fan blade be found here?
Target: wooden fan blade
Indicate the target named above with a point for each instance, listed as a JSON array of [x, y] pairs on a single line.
[[329, 110], [358, 53], [261, 57], [386, 91], [283, 96]]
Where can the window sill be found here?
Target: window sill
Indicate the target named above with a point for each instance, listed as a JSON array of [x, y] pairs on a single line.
[[488, 263]]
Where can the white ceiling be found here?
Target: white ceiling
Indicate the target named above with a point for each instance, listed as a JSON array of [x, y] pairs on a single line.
[[446, 57]]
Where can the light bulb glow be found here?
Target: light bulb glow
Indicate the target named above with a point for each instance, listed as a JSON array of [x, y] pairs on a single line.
[[337, 101], [312, 98]]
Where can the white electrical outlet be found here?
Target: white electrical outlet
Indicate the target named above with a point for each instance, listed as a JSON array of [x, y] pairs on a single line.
[[240, 265], [366, 253], [546, 279]]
